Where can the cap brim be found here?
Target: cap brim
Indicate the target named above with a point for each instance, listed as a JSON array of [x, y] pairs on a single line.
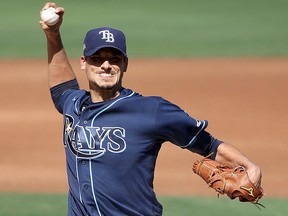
[[92, 51]]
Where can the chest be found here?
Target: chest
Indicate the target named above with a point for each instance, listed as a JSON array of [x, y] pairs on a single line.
[[96, 133]]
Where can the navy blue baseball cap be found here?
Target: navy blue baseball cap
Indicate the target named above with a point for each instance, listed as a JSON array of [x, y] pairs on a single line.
[[104, 37]]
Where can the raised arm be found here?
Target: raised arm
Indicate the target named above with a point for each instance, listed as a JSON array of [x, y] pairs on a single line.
[[59, 68]]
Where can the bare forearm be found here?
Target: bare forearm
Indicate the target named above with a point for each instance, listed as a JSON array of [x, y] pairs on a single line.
[[59, 68], [228, 154]]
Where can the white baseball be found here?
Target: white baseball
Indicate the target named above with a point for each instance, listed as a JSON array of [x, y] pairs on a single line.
[[49, 16]]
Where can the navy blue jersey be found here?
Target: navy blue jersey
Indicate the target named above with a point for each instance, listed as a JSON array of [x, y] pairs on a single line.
[[111, 148]]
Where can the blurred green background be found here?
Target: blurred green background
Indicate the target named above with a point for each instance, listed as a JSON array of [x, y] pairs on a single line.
[[56, 205], [183, 28]]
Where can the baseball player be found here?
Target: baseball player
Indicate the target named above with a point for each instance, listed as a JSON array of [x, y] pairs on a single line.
[[112, 135]]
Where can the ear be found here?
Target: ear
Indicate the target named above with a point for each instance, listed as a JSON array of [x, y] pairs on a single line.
[[83, 62], [126, 64]]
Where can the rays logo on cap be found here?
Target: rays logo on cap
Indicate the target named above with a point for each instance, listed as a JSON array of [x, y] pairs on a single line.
[[104, 37], [107, 35]]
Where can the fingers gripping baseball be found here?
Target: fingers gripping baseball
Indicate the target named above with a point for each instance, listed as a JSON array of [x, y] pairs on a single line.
[[51, 16]]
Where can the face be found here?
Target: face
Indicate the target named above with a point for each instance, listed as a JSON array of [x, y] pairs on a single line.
[[104, 69]]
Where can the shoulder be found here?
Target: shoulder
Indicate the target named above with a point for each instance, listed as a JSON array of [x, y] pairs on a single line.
[[75, 94], [134, 97], [72, 100]]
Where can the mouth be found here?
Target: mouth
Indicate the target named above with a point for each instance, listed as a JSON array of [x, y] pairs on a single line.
[[106, 75]]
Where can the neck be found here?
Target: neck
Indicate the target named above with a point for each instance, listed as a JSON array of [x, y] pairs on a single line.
[[103, 95]]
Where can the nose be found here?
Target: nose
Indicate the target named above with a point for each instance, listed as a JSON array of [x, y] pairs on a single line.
[[106, 65]]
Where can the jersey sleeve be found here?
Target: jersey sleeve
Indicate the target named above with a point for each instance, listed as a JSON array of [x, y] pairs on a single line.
[[58, 91], [176, 126]]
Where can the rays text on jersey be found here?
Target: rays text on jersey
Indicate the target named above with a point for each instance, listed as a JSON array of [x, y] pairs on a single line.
[[93, 141]]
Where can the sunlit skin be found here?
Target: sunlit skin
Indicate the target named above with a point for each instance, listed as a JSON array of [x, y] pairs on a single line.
[[104, 71]]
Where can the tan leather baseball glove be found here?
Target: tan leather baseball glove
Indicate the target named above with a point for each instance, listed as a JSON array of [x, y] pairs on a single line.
[[234, 182]]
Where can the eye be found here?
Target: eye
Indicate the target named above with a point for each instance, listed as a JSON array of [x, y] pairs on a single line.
[[115, 60], [96, 59]]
